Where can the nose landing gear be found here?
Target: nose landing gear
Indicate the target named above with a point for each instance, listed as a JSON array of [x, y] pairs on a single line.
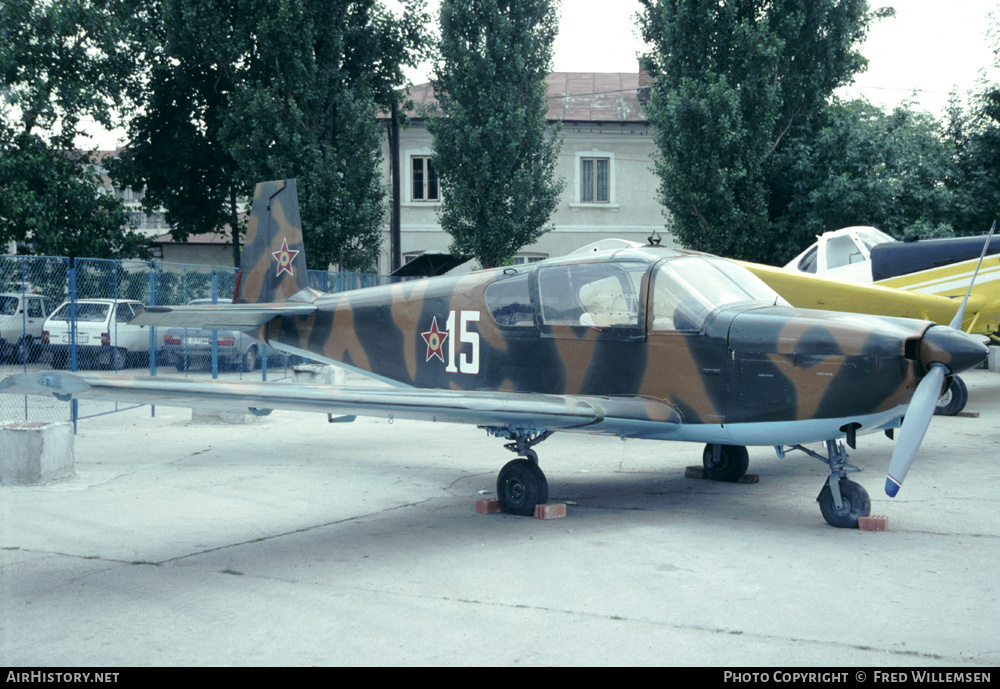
[[841, 501]]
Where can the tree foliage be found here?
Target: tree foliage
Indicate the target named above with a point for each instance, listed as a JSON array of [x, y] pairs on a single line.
[[247, 90], [60, 64], [730, 80], [492, 153], [857, 165]]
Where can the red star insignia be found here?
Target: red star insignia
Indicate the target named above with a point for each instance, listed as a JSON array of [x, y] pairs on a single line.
[[435, 341], [284, 258]]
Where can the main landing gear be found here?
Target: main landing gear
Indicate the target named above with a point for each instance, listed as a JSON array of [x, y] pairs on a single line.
[[842, 501], [521, 484]]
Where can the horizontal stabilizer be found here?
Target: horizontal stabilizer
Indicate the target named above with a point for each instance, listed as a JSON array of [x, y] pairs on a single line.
[[219, 316]]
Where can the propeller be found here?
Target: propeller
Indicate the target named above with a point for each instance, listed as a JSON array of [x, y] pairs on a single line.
[[961, 353]]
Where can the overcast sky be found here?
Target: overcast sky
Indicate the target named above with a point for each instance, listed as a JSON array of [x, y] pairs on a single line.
[[931, 47]]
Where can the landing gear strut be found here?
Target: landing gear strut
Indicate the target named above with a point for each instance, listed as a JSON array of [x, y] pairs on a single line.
[[521, 484], [842, 501]]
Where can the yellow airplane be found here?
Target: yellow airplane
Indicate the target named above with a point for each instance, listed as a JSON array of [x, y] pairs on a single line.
[[863, 270]]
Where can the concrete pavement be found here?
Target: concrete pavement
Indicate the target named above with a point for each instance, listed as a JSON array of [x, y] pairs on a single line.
[[296, 542]]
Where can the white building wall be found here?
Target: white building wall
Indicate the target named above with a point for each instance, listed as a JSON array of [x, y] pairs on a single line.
[[632, 211]]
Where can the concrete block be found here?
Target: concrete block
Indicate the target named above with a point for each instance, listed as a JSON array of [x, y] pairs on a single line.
[[551, 510], [487, 505], [35, 452], [319, 374], [211, 416], [873, 523]]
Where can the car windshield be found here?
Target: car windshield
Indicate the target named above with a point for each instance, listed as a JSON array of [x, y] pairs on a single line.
[[92, 313], [688, 289], [8, 306]]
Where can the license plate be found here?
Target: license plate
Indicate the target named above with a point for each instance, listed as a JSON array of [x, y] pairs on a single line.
[[81, 338], [199, 340]]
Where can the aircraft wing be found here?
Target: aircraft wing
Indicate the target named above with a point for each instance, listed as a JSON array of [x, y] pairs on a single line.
[[484, 408], [219, 316], [809, 291]]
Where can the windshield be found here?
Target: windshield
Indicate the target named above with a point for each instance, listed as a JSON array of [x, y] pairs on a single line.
[[688, 289], [869, 236], [93, 313], [8, 306]]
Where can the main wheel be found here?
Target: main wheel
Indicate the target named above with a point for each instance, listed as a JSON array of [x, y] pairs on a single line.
[[954, 398], [520, 486], [731, 465], [855, 504]]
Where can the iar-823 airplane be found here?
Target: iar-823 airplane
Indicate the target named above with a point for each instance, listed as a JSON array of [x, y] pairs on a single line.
[[636, 343]]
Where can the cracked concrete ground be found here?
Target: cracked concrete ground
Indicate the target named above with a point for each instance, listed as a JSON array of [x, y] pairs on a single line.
[[296, 542]]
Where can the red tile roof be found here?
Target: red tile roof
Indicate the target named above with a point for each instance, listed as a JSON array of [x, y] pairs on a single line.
[[577, 97]]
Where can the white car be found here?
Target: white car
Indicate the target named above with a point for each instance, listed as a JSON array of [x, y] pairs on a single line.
[[22, 317], [104, 337]]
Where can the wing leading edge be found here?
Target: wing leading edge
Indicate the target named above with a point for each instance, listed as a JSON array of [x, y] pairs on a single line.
[[556, 412]]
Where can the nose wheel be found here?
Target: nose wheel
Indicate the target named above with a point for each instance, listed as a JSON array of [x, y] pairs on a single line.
[[841, 501]]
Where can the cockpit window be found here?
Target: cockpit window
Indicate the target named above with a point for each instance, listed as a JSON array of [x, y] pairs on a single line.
[[509, 300], [595, 294], [686, 290]]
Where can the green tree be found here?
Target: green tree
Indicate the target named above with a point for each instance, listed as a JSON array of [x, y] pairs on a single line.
[[60, 64], [730, 80], [493, 156], [247, 90], [857, 165], [977, 136], [191, 50]]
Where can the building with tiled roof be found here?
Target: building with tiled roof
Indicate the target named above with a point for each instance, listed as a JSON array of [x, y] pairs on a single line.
[[606, 160]]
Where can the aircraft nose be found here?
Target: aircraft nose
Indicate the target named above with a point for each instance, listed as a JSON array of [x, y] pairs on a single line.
[[953, 348]]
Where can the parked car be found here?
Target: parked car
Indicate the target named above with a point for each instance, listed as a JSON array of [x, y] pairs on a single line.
[[104, 337], [22, 317], [191, 348]]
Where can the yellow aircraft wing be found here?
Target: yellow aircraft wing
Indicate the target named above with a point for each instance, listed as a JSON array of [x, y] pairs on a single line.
[[809, 291]]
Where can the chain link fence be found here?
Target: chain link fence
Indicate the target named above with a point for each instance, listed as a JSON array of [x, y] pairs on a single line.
[[58, 313]]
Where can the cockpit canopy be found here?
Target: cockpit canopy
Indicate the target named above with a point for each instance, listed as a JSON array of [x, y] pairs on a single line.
[[612, 293]]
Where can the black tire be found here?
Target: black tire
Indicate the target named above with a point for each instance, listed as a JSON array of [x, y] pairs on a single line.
[[856, 504], [520, 486], [250, 360], [954, 399], [732, 464]]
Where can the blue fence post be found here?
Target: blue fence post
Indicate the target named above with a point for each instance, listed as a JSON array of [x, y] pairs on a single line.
[[215, 333], [74, 406], [152, 330]]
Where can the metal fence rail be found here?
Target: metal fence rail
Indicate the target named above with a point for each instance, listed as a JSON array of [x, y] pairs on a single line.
[[61, 313]]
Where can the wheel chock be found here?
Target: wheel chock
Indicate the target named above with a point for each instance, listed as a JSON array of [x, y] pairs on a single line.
[[697, 472], [487, 505], [874, 523], [551, 510]]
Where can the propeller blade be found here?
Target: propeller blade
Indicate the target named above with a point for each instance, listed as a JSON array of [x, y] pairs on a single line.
[[915, 423], [956, 322]]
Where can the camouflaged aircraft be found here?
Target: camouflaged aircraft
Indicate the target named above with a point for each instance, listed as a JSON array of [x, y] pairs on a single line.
[[639, 342]]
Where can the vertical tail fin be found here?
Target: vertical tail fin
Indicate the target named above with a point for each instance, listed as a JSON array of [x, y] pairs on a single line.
[[273, 265]]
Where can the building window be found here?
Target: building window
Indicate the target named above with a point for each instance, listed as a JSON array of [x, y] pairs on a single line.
[[425, 181], [595, 174], [521, 259]]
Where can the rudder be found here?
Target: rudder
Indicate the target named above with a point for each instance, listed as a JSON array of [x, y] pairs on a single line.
[[273, 265]]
